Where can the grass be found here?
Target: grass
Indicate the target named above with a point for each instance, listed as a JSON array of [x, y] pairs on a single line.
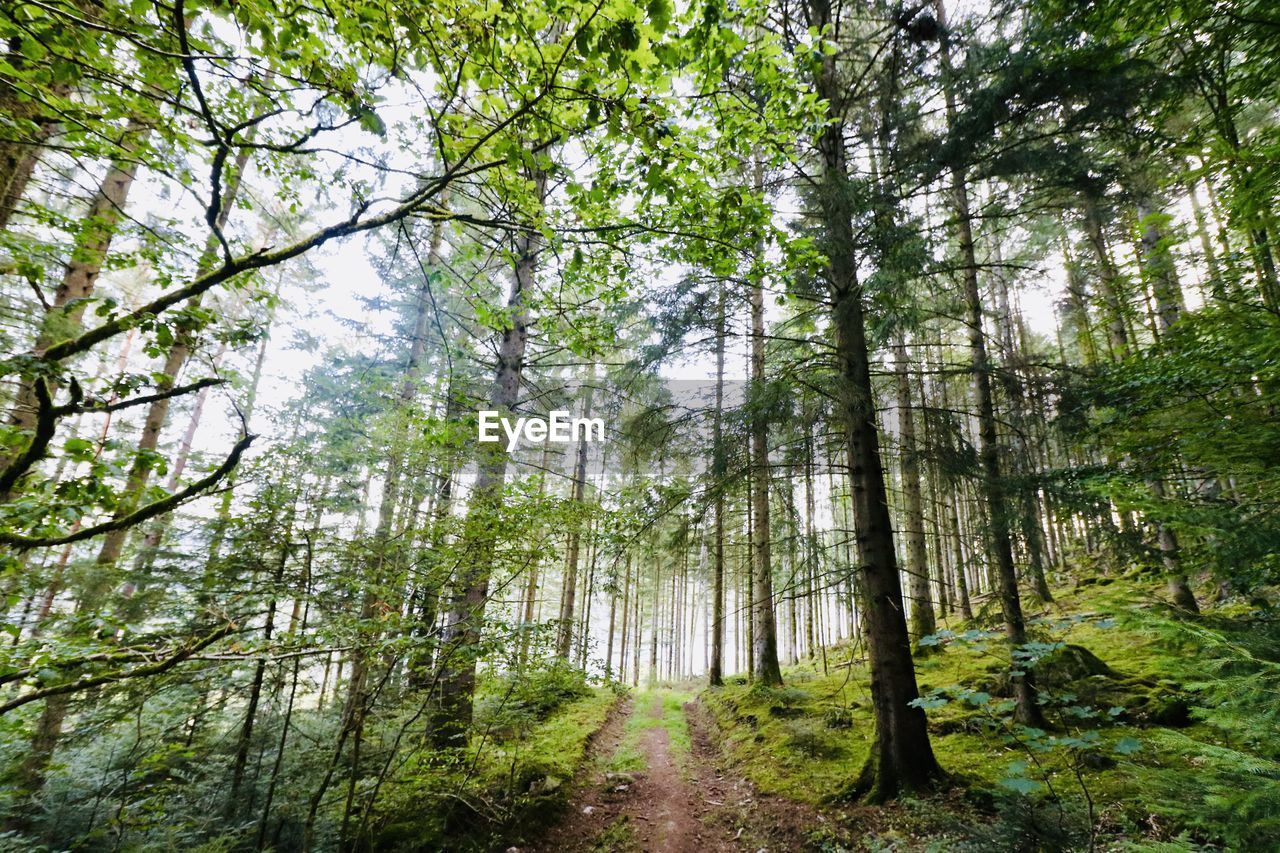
[[553, 748], [502, 786], [659, 708], [1210, 778], [618, 837]]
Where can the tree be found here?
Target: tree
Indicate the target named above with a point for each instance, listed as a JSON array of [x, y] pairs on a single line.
[[901, 756]]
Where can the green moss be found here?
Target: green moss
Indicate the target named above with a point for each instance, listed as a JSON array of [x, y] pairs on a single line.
[[781, 736], [617, 837], [522, 781], [1183, 752]]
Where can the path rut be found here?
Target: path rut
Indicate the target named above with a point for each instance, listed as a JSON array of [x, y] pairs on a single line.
[[681, 801]]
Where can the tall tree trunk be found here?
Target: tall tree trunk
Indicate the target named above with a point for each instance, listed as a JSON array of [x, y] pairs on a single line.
[[748, 571], [1219, 286], [922, 619], [718, 473], [457, 679], [1015, 384], [626, 615], [993, 485], [91, 246], [656, 614], [234, 802], [158, 412], [564, 634], [1160, 269], [1108, 279], [765, 639], [901, 757]]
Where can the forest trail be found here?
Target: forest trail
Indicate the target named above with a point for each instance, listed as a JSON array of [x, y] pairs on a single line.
[[659, 784]]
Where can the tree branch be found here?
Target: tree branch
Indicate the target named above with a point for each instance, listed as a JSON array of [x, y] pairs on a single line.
[[87, 682], [134, 518], [73, 409]]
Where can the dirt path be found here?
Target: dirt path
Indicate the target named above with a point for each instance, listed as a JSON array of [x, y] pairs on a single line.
[[682, 798]]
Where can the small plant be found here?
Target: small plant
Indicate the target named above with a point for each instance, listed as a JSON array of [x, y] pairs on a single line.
[[838, 717]]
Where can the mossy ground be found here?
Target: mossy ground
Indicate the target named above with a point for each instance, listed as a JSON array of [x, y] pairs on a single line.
[[508, 784], [1186, 753]]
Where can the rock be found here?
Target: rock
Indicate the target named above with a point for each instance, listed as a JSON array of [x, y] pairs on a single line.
[[545, 785], [1168, 710], [1069, 664], [948, 727], [1097, 761], [588, 810]]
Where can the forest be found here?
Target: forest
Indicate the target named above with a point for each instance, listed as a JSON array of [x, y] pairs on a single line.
[[605, 425]]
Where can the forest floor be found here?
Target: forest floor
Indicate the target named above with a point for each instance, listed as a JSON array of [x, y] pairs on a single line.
[[659, 782], [1159, 739]]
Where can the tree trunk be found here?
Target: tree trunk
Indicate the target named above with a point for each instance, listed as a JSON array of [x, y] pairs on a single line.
[[994, 491], [466, 618], [922, 618], [92, 243], [1109, 279], [158, 412], [234, 802], [564, 634], [901, 757], [765, 639], [718, 473], [1160, 269]]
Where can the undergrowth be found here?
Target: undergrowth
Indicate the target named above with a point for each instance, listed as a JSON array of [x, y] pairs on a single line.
[[1162, 733], [532, 738]]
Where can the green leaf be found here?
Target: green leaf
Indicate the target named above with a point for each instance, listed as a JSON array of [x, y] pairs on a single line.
[[1127, 746], [1021, 785]]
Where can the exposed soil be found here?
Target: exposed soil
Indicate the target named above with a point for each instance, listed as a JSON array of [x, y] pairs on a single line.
[[676, 804]]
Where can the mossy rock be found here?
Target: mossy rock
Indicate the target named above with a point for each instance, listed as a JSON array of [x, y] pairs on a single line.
[[546, 785], [1160, 708], [1069, 665], [964, 724], [1097, 761], [1095, 580], [785, 712]]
